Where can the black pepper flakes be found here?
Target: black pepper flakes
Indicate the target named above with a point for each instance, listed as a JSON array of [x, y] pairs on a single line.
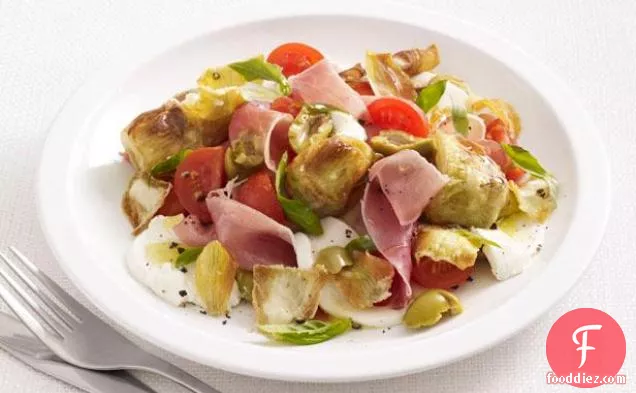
[[470, 279], [227, 315], [183, 270], [203, 312], [356, 326], [180, 250], [173, 245], [224, 322], [216, 76], [185, 174], [454, 287], [183, 293], [348, 233]]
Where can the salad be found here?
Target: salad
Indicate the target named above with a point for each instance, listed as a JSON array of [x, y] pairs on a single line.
[[330, 198]]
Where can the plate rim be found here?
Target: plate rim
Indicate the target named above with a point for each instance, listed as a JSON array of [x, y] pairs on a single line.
[[567, 107]]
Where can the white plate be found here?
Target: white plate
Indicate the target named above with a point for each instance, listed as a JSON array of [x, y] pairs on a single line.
[[81, 181]]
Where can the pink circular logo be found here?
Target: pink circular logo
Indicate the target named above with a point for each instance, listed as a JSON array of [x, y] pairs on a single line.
[[585, 347]]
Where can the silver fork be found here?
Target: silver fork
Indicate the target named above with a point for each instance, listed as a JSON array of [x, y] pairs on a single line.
[[77, 336]]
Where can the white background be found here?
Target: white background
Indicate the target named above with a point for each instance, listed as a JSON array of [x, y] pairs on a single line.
[[48, 47]]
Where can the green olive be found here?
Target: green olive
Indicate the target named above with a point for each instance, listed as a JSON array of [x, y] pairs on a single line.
[[245, 282], [392, 141], [333, 259], [429, 307]]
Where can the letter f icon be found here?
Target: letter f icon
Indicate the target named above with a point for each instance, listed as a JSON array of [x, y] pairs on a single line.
[[584, 347]]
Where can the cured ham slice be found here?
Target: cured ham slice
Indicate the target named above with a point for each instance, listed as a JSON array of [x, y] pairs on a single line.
[[321, 84], [268, 127], [252, 237], [193, 233], [399, 188]]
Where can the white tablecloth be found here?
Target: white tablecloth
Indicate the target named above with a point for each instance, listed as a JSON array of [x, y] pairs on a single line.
[[48, 47]]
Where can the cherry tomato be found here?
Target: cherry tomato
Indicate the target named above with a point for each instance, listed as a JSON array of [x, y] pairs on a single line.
[[393, 113], [515, 173], [287, 105], [171, 206], [363, 88], [294, 57], [258, 193], [199, 173], [496, 131], [439, 274]]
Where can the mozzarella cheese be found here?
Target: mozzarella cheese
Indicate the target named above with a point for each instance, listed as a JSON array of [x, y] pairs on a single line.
[[175, 286], [347, 125], [476, 127], [453, 96], [516, 251]]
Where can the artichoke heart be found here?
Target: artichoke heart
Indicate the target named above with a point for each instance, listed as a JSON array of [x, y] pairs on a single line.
[[477, 191], [312, 124], [211, 110], [536, 198], [367, 282], [214, 273], [387, 78], [157, 134], [392, 141], [417, 60], [244, 155], [218, 78], [143, 198], [444, 244], [324, 174], [284, 294]]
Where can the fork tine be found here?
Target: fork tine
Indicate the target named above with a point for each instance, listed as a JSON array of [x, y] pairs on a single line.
[[60, 313], [34, 325], [73, 305], [35, 306]]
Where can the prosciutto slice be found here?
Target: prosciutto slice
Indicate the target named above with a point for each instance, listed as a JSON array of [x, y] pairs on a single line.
[[193, 233], [250, 236], [269, 127], [400, 186], [321, 84]]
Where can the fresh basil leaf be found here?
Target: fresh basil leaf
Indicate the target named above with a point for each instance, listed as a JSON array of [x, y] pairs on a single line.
[[170, 164], [525, 160], [297, 211], [476, 239], [430, 95], [306, 333], [188, 256], [362, 243], [258, 68], [460, 120]]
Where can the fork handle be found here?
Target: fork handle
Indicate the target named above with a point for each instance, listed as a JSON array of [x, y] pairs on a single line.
[[159, 366]]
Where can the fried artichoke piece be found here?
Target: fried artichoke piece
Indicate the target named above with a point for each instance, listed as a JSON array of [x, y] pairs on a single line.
[[415, 61], [536, 198], [143, 198], [444, 244], [367, 282], [477, 190], [324, 174], [386, 78], [353, 74], [312, 124], [392, 141], [211, 111], [214, 273], [284, 294], [157, 134], [244, 156]]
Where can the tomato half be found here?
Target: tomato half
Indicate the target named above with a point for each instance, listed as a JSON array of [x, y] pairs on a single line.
[[439, 274], [287, 105], [294, 57], [496, 131], [258, 193], [199, 173], [393, 113], [171, 206]]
